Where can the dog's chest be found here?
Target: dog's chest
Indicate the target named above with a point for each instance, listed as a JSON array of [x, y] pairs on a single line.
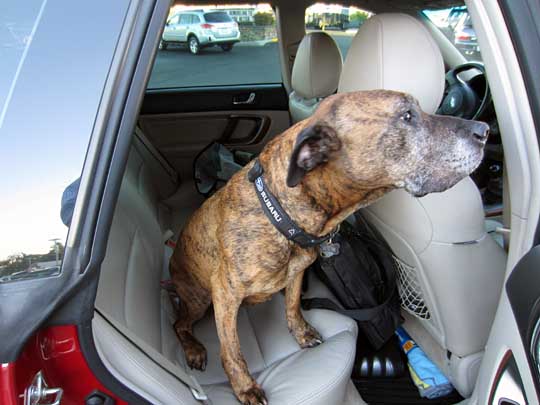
[[257, 298]]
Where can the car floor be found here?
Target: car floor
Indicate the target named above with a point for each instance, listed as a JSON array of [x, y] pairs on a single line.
[[396, 389]]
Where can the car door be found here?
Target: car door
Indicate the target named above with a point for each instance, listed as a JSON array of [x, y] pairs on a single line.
[[195, 25], [183, 24], [170, 32], [49, 258], [509, 373]]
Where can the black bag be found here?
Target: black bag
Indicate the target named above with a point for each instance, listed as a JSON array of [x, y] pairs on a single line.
[[362, 276]]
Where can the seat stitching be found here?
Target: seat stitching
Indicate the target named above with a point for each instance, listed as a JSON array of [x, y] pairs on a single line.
[[131, 246], [256, 338]]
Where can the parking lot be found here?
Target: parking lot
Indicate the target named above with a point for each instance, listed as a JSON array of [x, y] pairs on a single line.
[[247, 63]]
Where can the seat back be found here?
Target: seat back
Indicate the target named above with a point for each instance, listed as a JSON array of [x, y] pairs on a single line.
[[129, 284], [315, 74], [451, 271]]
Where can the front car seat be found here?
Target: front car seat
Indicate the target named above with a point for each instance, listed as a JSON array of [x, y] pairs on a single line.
[[315, 74], [450, 271]]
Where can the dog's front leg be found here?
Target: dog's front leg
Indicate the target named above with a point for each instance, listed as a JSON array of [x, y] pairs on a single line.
[[305, 334], [226, 306]]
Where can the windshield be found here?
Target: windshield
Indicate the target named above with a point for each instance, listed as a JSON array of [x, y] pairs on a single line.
[[217, 17], [456, 24]]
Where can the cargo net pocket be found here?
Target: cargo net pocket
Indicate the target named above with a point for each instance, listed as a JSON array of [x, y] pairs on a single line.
[[410, 292]]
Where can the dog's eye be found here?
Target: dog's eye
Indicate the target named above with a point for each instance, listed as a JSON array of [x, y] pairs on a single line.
[[407, 116]]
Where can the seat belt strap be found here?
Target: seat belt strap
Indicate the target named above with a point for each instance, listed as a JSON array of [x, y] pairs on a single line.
[[159, 359], [156, 154]]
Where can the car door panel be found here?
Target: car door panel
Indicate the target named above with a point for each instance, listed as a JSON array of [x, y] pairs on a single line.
[[181, 123], [523, 289], [181, 136], [170, 29], [182, 27], [509, 370]]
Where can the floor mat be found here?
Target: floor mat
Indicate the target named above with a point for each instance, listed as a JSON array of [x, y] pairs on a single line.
[[379, 391], [388, 391]]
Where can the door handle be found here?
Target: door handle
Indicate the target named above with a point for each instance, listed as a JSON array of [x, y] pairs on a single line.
[[249, 100]]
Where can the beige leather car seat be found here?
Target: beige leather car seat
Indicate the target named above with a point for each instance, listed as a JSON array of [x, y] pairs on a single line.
[[452, 271], [315, 74], [130, 295]]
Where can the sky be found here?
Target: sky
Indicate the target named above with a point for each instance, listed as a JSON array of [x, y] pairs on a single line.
[[48, 100]]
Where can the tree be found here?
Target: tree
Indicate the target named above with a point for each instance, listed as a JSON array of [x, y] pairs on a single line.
[[359, 17], [261, 18], [17, 261]]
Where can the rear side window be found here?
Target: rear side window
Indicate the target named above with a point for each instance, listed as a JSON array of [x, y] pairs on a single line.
[[339, 21], [47, 113], [217, 17], [229, 46]]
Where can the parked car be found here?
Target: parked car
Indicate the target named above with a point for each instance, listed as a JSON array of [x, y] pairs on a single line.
[[459, 29], [200, 29], [465, 36]]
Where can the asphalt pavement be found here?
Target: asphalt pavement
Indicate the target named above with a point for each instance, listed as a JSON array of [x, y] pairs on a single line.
[[245, 64]]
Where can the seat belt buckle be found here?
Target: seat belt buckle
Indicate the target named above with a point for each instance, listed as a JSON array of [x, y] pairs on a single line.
[[167, 239], [198, 392]]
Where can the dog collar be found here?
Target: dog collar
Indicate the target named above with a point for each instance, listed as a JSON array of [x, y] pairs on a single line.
[[278, 216]]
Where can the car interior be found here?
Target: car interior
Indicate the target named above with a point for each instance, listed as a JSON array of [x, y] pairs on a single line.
[[450, 248]]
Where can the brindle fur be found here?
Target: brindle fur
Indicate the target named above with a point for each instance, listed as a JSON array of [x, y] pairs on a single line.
[[229, 253]]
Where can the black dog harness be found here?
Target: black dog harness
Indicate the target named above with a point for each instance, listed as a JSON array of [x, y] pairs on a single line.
[[277, 215]]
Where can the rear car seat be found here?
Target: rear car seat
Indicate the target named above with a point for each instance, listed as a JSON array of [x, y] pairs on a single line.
[[129, 292]]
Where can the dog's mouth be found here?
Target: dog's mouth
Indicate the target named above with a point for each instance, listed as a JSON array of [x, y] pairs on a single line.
[[446, 173], [464, 165]]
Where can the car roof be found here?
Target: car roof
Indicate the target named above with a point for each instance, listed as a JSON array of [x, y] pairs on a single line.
[[200, 11]]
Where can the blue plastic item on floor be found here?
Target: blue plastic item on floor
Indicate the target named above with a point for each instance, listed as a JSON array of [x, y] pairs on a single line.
[[429, 380]]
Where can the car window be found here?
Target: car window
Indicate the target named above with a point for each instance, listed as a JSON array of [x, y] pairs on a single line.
[[456, 24], [45, 125], [173, 20], [339, 21], [195, 19], [230, 46], [217, 17], [185, 19]]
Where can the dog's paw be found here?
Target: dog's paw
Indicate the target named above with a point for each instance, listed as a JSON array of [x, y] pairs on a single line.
[[253, 396], [308, 337], [196, 356]]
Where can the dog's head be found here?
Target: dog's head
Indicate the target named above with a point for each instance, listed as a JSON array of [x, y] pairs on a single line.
[[382, 138]]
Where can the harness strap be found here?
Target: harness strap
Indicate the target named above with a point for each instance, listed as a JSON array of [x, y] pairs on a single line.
[[278, 216]]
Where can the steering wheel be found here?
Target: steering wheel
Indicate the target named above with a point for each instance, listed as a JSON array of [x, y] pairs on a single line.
[[460, 99]]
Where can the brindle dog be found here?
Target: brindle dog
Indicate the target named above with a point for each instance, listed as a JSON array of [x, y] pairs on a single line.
[[355, 148]]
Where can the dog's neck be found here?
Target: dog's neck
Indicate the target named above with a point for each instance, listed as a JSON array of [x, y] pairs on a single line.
[[323, 199]]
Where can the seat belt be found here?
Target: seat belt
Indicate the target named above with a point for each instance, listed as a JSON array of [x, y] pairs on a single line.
[[156, 154], [159, 359]]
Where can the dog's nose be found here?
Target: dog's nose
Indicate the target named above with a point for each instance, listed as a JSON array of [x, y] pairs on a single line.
[[480, 131]]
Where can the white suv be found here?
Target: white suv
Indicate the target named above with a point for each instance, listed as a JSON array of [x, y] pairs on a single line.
[[199, 29]]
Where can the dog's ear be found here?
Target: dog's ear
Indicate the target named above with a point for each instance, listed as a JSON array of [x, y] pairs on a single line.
[[313, 146]]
